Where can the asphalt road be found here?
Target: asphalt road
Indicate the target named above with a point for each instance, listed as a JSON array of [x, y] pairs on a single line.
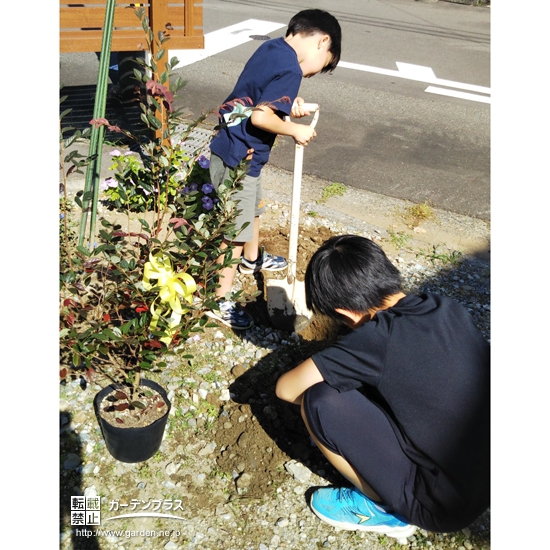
[[379, 129]]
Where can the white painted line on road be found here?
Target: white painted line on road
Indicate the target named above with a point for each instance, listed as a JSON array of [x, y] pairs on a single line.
[[225, 39], [417, 73], [235, 35], [455, 93]]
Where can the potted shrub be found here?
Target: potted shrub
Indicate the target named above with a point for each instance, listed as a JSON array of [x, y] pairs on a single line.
[[138, 292]]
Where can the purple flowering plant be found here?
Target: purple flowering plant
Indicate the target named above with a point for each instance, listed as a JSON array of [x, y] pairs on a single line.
[[121, 302]]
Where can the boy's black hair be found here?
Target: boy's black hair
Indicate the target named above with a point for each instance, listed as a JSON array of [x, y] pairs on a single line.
[[349, 272], [312, 21]]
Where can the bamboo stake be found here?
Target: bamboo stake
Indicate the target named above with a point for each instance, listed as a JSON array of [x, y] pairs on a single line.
[[91, 183]]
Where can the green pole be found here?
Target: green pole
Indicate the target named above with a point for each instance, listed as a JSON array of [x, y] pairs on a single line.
[[91, 183]]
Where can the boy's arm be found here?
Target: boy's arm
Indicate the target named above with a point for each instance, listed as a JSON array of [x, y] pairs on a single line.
[[292, 384], [266, 119]]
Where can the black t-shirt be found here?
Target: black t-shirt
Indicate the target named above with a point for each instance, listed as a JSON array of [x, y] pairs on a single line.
[[427, 366]]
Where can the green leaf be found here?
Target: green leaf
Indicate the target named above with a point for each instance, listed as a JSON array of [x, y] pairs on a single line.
[[83, 251], [154, 122]]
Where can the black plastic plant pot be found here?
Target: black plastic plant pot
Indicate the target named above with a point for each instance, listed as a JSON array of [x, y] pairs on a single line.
[[132, 444]]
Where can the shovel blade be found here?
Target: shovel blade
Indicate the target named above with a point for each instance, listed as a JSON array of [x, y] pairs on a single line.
[[286, 305]]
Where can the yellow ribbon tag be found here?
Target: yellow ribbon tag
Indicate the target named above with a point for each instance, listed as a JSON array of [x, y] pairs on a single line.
[[171, 286]]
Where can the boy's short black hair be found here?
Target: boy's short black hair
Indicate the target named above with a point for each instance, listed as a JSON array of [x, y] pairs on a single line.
[[349, 272], [312, 21]]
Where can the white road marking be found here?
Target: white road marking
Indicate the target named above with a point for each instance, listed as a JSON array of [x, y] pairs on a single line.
[[225, 39], [235, 35], [424, 74], [455, 93]]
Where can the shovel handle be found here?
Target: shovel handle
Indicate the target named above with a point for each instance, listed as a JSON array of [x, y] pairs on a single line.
[[295, 204]]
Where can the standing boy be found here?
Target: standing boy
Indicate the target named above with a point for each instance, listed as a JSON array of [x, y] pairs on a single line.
[[254, 113], [400, 404]]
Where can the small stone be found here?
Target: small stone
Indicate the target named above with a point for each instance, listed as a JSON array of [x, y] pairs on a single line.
[[282, 522], [72, 461], [225, 395], [89, 468], [172, 468], [298, 471], [243, 481], [90, 491], [208, 449], [238, 370], [270, 412], [203, 393]]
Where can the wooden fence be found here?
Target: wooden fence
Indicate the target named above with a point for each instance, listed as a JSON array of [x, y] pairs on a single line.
[[81, 25]]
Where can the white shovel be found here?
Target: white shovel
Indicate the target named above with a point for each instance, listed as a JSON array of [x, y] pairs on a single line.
[[286, 298]]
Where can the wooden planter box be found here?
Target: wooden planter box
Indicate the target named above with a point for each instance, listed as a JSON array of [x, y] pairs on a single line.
[[81, 25]]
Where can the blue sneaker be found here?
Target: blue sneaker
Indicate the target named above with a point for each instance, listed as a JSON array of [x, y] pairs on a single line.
[[265, 262], [352, 510], [232, 315]]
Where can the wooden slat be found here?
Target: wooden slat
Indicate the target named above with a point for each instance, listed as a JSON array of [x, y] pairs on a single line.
[[84, 3], [70, 18], [90, 41], [123, 41]]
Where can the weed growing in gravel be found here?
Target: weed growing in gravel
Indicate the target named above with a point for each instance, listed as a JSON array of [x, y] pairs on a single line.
[[415, 214], [144, 471], [452, 257], [332, 190], [398, 238]]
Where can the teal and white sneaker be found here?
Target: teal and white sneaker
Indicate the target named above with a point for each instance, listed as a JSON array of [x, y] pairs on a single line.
[[265, 262], [352, 510]]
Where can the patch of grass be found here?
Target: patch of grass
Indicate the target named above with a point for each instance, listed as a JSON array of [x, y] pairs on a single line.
[[332, 190], [217, 472], [157, 457], [144, 472], [399, 239], [415, 214], [452, 257], [312, 214]]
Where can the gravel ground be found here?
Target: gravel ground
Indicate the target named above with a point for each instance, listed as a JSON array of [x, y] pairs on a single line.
[[235, 464]]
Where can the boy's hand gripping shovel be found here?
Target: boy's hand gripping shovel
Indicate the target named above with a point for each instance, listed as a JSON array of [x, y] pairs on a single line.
[[286, 298]]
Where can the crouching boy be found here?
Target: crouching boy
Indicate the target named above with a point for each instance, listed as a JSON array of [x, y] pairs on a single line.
[[400, 404]]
